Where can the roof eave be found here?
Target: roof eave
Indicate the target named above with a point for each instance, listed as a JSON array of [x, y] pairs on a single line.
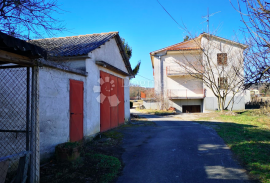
[[227, 40], [123, 53]]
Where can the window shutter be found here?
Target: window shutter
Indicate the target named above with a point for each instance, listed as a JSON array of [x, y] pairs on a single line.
[[222, 58], [222, 82]]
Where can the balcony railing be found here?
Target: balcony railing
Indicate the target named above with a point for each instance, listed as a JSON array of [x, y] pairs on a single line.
[[186, 93]]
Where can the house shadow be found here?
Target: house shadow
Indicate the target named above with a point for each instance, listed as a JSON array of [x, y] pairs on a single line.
[[250, 146]]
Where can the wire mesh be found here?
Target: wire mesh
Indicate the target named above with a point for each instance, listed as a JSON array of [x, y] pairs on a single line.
[[17, 110]]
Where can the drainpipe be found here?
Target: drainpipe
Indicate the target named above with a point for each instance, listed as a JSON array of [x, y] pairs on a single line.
[[161, 73]]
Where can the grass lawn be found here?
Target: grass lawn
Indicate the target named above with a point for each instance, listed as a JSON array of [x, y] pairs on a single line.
[[248, 135]]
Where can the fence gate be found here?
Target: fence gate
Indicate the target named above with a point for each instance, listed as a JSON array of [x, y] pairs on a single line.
[[19, 129]]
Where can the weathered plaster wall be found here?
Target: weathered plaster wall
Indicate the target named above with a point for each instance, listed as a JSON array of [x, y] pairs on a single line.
[[172, 62], [54, 97], [109, 52], [54, 107], [234, 58], [173, 58], [76, 64]]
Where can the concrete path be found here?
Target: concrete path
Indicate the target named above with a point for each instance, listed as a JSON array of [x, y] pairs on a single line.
[[177, 151]]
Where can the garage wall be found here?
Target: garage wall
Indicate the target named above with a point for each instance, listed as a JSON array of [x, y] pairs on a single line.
[[54, 108], [178, 103], [54, 97], [109, 52]]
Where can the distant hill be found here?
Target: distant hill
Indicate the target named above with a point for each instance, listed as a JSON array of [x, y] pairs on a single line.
[[135, 92]]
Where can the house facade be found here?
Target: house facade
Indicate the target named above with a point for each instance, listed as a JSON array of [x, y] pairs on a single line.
[[178, 72], [83, 88]]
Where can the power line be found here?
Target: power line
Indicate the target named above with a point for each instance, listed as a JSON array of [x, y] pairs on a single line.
[[145, 77], [169, 14]]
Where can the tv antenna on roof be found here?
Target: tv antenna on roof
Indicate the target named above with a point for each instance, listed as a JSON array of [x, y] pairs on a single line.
[[207, 18]]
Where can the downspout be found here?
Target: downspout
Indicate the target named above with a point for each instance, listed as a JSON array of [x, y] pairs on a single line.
[[161, 74]]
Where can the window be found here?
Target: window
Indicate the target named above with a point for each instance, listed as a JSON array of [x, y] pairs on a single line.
[[222, 82], [222, 58]]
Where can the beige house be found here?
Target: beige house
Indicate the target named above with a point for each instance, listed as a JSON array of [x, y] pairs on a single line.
[[174, 71]]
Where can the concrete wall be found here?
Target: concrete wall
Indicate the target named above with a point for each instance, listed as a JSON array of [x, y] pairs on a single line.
[[247, 96], [178, 103], [151, 105], [211, 103]]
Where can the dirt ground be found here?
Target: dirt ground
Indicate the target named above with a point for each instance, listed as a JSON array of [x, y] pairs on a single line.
[[186, 116], [195, 116]]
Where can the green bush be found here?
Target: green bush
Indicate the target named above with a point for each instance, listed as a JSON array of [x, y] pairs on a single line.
[[131, 104]]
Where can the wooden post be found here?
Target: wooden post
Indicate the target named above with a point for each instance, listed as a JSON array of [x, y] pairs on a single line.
[[34, 140]]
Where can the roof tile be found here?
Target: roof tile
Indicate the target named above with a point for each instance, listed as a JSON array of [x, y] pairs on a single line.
[[74, 45]]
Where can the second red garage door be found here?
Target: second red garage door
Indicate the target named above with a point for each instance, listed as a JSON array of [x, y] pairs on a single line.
[[111, 101]]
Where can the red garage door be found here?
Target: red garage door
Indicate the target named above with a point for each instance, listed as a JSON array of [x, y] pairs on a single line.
[[111, 101], [76, 110], [120, 92], [105, 112]]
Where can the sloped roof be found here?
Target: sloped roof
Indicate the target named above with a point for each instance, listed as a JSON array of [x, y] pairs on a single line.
[[74, 45], [80, 45], [21, 47], [193, 44]]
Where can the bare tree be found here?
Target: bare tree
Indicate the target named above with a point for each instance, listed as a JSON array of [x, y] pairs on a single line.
[[256, 17], [159, 98], [27, 18], [218, 63]]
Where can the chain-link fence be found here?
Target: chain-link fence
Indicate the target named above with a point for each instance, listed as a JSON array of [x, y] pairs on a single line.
[[19, 132]]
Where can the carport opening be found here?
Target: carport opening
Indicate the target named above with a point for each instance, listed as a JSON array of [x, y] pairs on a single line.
[[191, 108]]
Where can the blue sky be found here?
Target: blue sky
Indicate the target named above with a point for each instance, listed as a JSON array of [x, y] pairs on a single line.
[[145, 25]]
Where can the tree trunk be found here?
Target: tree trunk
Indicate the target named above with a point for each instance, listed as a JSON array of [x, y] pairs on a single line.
[[221, 103]]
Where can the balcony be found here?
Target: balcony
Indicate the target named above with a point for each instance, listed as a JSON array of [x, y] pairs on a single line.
[[186, 93], [180, 71]]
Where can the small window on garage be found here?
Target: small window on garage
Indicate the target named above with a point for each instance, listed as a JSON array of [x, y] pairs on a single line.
[[222, 82], [222, 59]]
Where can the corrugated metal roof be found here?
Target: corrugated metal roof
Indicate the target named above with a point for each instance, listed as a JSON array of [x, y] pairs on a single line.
[[74, 45], [21, 47]]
